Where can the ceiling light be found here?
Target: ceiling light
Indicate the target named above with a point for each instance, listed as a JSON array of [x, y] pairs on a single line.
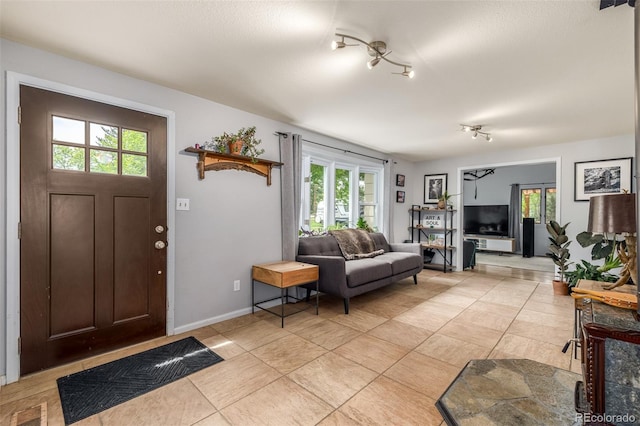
[[377, 49], [477, 130]]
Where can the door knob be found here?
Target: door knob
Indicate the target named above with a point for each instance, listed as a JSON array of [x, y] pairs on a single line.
[[160, 245], [159, 229]]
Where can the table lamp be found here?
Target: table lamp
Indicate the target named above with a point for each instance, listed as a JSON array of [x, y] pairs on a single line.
[[616, 214]]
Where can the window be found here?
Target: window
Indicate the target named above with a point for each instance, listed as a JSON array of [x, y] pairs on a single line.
[[535, 201], [109, 149], [338, 191]]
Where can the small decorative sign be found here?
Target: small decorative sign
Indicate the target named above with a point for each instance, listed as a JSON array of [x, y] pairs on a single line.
[[432, 221]]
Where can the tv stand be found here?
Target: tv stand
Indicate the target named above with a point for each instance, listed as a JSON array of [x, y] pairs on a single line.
[[493, 243]]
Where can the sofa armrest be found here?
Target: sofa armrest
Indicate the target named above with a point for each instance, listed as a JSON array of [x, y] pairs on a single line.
[[406, 247], [333, 275]]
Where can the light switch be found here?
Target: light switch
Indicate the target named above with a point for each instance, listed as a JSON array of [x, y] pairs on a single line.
[[182, 204]]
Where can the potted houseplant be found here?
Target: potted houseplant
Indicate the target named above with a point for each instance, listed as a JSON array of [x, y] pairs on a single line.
[[559, 253], [243, 142], [443, 200]]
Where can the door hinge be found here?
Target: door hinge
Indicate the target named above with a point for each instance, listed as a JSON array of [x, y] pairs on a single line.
[[19, 345], [19, 230], [19, 114]]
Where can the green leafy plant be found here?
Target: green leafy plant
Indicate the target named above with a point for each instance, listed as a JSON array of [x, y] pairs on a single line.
[[588, 271], [249, 142], [559, 243], [362, 224]]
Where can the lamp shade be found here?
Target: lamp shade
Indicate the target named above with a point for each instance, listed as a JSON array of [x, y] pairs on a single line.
[[614, 213]]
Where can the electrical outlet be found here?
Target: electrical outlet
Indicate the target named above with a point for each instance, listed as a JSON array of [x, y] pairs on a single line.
[[236, 285], [182, 204]]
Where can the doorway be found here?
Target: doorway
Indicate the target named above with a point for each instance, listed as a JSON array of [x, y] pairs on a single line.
[[93, 228]]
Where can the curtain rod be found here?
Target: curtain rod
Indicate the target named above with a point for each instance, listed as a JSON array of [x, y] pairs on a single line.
[[346, 151], [533, 183]]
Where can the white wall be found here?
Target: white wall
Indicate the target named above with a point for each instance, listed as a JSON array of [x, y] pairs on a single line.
[[575, 212], [234, 220]]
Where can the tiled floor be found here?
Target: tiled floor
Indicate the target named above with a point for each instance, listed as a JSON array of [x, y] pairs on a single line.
[[387, 362]]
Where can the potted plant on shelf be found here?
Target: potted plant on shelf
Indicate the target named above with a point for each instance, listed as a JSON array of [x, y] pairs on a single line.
[[443, 200], [243, 142], [559, 253]]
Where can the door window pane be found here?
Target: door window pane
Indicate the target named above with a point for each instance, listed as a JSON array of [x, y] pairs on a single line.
[[68, 130], [316, 197], [550, 204], [101, 161], [367, 198], [134, 165], [530, 202], [133, 140], [68, 157], [104, 136]]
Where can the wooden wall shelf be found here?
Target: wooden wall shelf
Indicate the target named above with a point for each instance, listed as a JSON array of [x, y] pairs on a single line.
[[211, 160]]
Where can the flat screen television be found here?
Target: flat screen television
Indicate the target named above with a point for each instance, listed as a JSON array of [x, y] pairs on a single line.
[[490, 220]]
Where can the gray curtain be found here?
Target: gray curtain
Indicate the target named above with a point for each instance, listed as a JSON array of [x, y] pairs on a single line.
[[291, 156], [514, 213], [389, 200]]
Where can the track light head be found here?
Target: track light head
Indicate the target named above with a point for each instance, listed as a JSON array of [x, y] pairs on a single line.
[[475, 135], [372, 63], [337, 45], [488, 137]]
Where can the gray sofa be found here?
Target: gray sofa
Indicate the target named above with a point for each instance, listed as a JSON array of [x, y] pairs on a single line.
[[348, 278]]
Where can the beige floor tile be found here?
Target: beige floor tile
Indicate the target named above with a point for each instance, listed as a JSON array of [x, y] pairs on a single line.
[[447, 279], [469, 290], [404, 300], [224, 347], [333, 378], [371, 352], [472, 333], [178, 403], [424, 374], [382, 308], [257, 334], [337, 418], [288, 353], [216, 419], [505, 297], [296, 322], [549, 308], [452, 351], [509, 312], [232, 380], [359, 319], [548, 320], [490, 320], [553, 335], [282, 402], [458, 300], [228, 325], [50, 396], [522, 347], [36, 383], [422, 317], [400, 333], [329, 334], [385, 402]]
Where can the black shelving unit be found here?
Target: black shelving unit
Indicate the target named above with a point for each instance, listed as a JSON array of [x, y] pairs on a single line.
[[433, 229]]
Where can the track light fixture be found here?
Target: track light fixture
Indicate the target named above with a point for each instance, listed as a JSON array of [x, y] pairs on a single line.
[[376, 49], [476, 131]]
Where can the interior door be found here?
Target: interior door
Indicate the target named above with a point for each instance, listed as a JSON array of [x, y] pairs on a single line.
[[93, 228]]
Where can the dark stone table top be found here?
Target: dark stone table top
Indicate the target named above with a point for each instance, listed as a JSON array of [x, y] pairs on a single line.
[[510, 392]]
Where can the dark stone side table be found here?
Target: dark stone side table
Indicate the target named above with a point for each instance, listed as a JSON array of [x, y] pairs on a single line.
[[510, 392]]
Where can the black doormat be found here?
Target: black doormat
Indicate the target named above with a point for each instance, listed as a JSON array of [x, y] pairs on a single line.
[[91, 391]]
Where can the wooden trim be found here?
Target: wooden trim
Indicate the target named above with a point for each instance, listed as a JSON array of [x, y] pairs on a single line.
[[211, 160]]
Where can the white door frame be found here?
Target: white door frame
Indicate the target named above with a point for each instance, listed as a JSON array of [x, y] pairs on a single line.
[[14, 80]]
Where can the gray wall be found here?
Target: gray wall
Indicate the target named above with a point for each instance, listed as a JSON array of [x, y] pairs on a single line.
[[496, 189]]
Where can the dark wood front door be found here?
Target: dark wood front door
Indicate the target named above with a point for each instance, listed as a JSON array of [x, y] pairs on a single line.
[[92, 207]]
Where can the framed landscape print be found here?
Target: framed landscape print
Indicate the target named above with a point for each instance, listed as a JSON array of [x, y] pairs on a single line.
[[434, 187], [602, 177]]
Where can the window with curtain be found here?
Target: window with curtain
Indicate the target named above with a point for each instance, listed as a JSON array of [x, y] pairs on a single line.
[[338, 190]]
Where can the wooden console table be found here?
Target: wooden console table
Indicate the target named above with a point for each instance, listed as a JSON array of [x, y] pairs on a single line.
[[284, 274]]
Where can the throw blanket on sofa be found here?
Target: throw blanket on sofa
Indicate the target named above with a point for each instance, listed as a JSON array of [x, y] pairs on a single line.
[[355, 243]]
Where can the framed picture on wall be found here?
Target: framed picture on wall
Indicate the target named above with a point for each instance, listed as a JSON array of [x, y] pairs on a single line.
[[602, 177], [399, 196], [399, 180], [434, 187]]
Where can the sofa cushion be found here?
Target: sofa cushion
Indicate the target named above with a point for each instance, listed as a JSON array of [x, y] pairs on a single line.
[[355, 243], [363, 271], [324, 245], [401, 261]]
